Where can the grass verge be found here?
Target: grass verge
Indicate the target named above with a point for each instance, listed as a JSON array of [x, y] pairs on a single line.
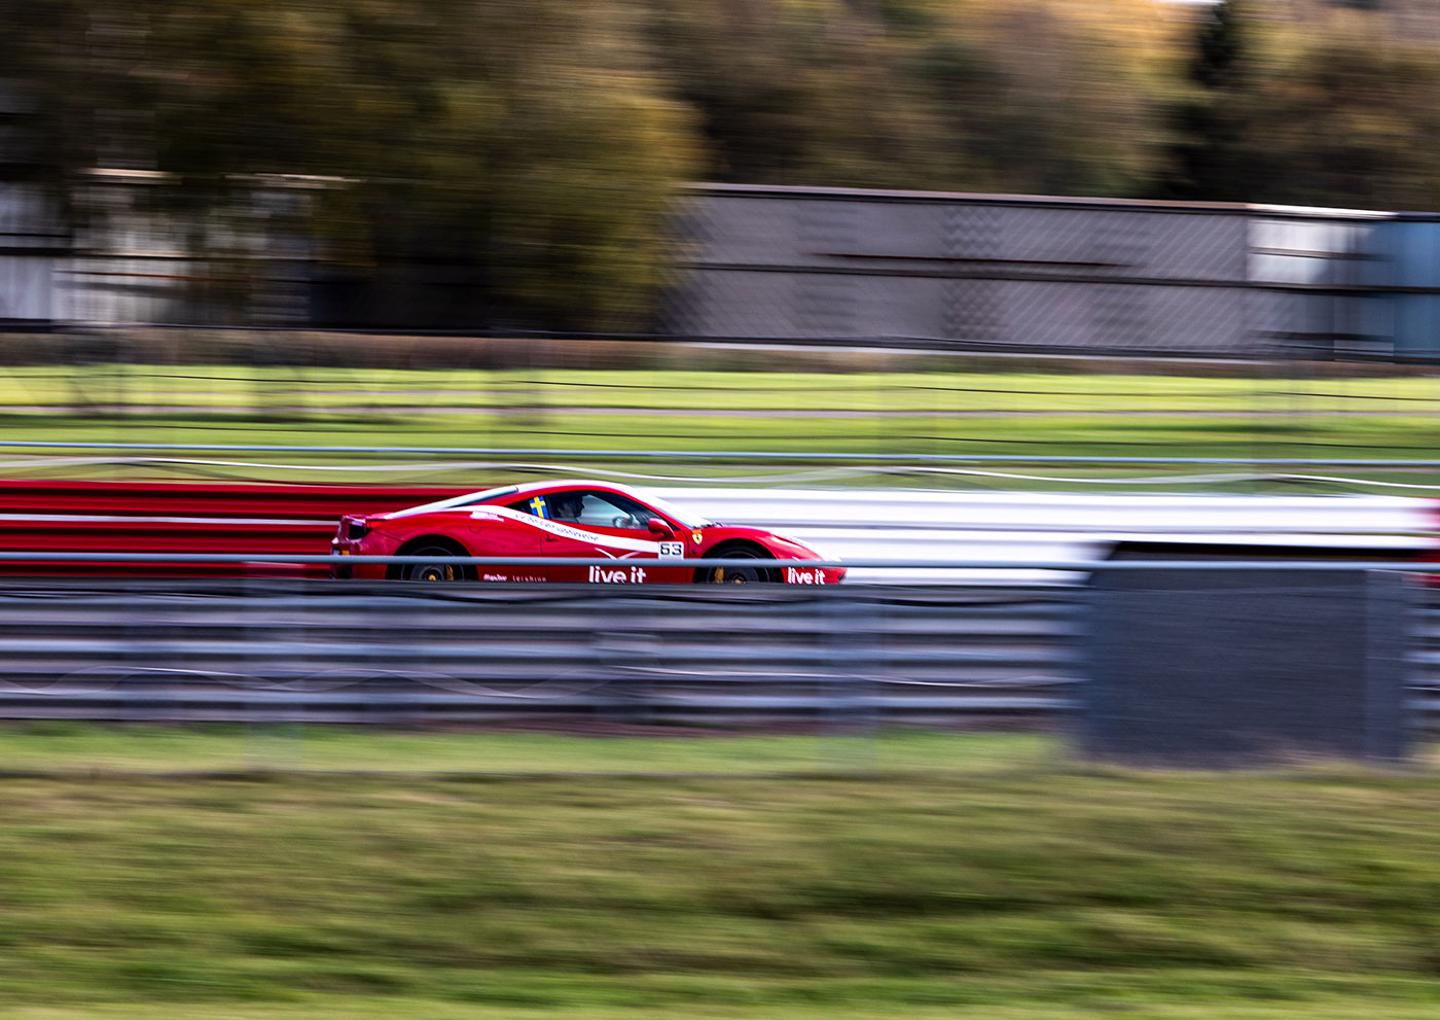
[[693, 411], [1010, 886], [85, 748]]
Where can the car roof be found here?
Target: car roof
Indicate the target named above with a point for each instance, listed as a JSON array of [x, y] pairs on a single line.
[[540, 488], [514, 492]]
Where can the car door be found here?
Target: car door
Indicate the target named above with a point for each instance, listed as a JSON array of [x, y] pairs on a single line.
[[489, 530], [555, 538], [601, 525]]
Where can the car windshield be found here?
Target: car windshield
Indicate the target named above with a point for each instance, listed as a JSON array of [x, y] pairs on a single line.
[[604, 508], [670, 510]]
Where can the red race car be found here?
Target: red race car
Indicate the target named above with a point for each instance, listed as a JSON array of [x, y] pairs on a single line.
[[579, 520]]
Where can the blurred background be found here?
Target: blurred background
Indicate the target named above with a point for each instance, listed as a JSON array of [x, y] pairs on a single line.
[[500, 166], [990, 294]]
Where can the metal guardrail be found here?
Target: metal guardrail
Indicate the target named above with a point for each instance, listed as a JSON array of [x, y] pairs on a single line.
[[281, 651], [409, 654]]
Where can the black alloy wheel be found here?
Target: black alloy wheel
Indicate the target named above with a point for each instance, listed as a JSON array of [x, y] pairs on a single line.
[[736, 575], [432, 572]]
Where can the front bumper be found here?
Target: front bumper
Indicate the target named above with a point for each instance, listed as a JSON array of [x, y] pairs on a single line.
[[812, 575]]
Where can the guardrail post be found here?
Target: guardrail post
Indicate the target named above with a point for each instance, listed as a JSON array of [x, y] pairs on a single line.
[[620, 646], [137, 632], [851, 621], [273, 733], [255, 715]]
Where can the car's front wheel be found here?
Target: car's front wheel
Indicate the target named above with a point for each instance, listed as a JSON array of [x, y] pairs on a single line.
[[736, 575]]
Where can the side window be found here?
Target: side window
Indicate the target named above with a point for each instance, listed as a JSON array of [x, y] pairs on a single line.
[[609, 510], [540, 506], [595, 509]]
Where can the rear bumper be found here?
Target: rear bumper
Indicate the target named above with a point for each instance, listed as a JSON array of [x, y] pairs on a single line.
[[340, 570]]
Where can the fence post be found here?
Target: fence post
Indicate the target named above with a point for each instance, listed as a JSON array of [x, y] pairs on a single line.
[[1390, 603], [1233, 667]]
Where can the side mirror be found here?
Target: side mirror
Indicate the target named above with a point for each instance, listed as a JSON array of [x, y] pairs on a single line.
[[658, 526]]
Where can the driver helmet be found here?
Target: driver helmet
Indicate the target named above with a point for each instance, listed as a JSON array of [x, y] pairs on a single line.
[[566, 506]]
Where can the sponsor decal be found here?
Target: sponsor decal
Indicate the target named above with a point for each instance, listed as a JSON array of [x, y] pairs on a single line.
[[672, 550], [619, 575], [794, 575], [634, 545]]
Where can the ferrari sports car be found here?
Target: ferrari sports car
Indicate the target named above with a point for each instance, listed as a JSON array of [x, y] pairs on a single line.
[[579, 520]]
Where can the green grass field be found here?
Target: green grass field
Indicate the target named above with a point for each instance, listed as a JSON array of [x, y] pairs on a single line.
[[223, 387], [799, 414], [1006, 883], [81, 748]]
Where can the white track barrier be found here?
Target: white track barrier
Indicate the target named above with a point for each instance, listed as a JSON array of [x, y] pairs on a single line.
[[881, 523]]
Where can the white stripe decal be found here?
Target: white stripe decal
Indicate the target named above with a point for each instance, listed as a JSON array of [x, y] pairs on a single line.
[[566, 531]]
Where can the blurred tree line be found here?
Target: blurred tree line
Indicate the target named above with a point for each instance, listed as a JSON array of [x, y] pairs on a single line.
[[528, 151]]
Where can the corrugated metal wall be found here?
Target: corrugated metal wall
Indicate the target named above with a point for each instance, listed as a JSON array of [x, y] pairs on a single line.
[[1014, 272], [985, 272]]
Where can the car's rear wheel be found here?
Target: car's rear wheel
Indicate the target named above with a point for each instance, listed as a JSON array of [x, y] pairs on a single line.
[[437, 571]]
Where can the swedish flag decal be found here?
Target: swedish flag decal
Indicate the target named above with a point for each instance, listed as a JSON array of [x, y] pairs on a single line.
[[539, 508]]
